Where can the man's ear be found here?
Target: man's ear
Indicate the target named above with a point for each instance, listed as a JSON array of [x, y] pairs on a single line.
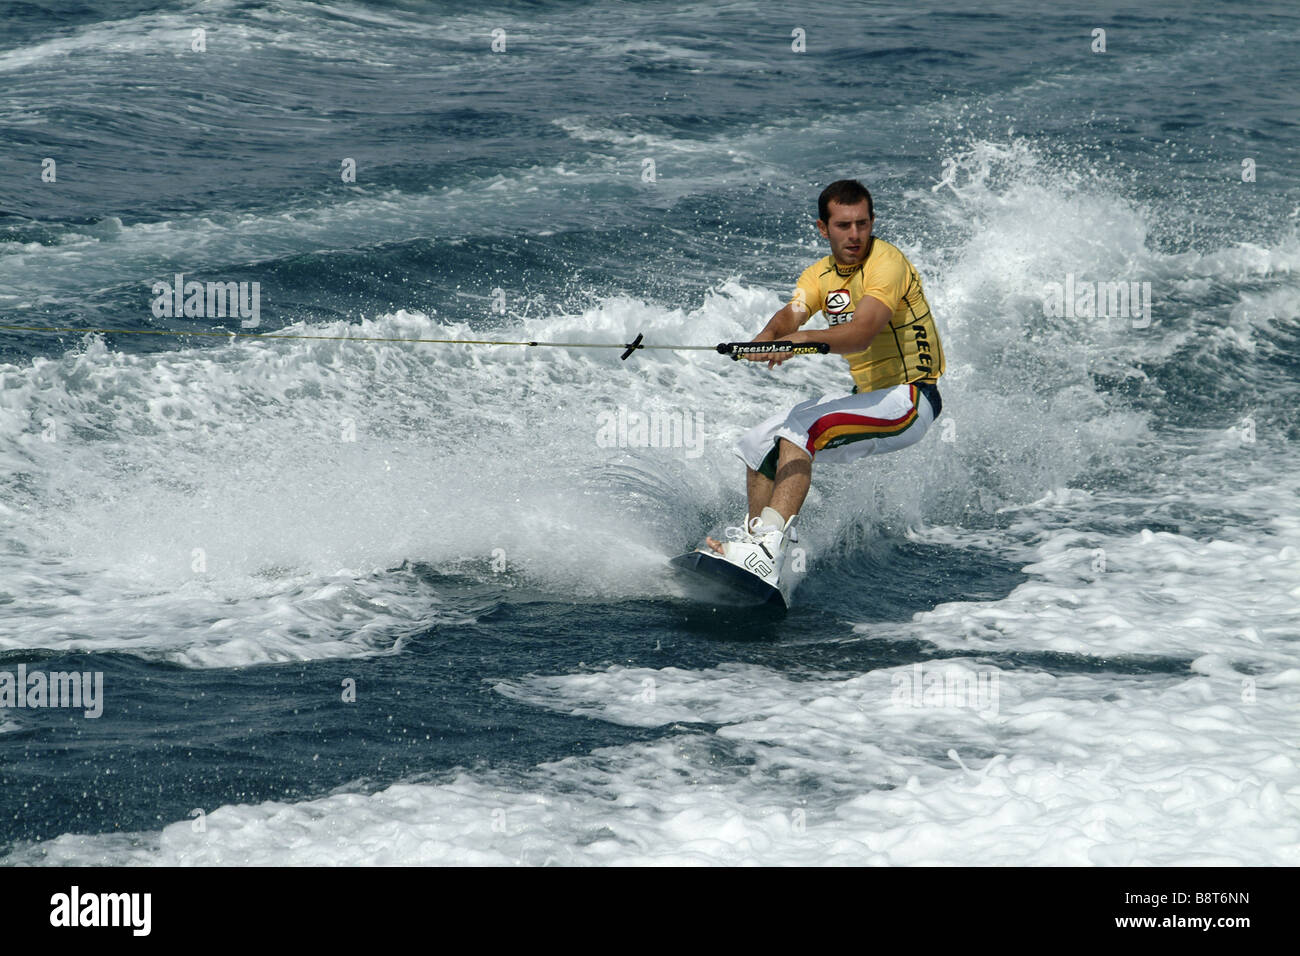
[[821, 227]]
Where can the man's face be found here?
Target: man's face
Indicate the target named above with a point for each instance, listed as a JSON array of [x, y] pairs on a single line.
[[848, 230]]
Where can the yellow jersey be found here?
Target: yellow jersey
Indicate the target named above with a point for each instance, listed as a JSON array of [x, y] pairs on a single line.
[[908, 348]]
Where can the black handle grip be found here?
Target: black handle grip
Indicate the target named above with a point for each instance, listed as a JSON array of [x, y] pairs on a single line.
[[738, 349]]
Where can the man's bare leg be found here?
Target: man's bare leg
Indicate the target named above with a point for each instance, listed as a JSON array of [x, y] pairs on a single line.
[[758, 489], [793, 479], [786, 494]]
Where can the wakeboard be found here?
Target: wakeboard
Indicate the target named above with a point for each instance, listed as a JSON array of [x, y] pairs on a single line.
[[711, 578]]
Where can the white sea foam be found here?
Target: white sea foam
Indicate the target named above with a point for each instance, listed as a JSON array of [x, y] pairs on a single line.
[[1160, 748], [245, 502], [1069, 770]]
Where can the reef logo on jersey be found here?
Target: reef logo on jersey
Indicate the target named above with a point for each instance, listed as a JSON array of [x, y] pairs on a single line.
[[839, 306]]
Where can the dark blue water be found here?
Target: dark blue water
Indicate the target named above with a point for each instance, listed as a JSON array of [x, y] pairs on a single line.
[[524, 171]]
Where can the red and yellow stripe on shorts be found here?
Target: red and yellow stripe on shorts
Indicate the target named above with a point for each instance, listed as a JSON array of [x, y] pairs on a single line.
[[842, 428]]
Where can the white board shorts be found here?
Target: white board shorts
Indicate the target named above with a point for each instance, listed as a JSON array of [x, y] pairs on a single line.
[[838, 428]]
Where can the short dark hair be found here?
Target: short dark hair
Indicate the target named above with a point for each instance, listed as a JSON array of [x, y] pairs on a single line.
[[846, 192]]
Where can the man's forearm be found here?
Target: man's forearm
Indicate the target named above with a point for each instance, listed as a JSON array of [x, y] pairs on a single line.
[[781, 326], [843, 339]]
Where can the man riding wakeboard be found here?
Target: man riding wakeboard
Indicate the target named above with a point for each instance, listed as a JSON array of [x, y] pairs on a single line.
[[879, 320]]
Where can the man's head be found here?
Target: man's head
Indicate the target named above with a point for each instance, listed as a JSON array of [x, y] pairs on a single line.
[[845, 216]]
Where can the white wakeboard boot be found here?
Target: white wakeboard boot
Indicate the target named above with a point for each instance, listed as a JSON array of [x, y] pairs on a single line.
[[760, 546]]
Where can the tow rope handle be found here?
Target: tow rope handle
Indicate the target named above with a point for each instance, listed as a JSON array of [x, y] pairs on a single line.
[[738, 350], [735, 349]]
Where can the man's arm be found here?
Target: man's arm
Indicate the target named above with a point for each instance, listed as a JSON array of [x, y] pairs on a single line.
[[784, 323], [869, 317]]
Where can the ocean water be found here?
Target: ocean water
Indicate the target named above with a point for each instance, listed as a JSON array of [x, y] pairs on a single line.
[[372, 602]]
